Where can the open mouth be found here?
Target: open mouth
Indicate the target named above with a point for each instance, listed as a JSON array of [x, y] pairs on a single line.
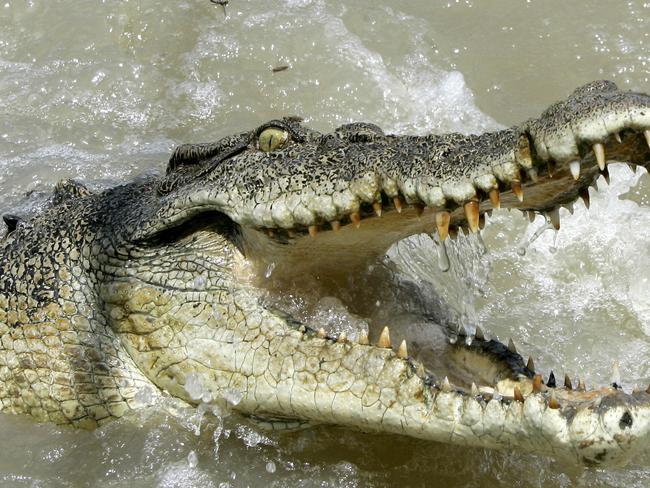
[[312, 216], [383, 306], [332, 280]]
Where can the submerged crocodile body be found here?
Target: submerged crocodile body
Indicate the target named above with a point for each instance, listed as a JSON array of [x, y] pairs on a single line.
[[163, 282]]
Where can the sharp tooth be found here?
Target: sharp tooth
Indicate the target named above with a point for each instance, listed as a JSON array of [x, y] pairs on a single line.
[[553, 403], [605, 174], [574, 166], [384, 339], [343, 337], [397, 201], [616, 375], [313, 230], [551, 380], [511, 346], [446, 386], [302, 329], [537, 383], [516, 189], [442, 223], [635, 389], [584, 194], [581, 385], [377, 208], [475, 391], [567, 382], [599, 151], [478, 335], [617, 136], [471, 213], [355, 217], [402, 352], [554, 217], [530, 365], [419, 370], [648, 390], [363, 338], [646, 133], [531, 216], [517, 394], [321, 333], [336, 225], [495, 198], [419, 209], [486, 391], [550, 167], [481, 221], [532, 174]]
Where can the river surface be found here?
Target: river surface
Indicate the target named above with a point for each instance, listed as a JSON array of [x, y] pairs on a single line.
[[102, 90]]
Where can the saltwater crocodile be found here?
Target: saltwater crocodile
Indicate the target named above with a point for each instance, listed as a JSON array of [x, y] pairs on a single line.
[[164, 283]]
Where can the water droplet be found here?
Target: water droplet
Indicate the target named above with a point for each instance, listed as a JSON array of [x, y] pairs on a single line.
[[98, 78], [144, 396], [192, 459], [199, 282], [526, 242], [233, 397], [443, 257], [269, 270], [270, 467], [217, 315], [194, 386]]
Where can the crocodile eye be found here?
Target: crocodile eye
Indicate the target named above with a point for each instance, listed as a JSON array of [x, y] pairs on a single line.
[[272, 139]]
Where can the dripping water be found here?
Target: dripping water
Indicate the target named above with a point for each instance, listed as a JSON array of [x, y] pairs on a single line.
[[458, 269], [526, 241]]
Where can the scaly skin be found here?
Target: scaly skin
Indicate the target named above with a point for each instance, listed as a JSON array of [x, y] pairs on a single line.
[[157, 282]]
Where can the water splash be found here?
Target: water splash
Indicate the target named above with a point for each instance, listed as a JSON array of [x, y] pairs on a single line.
[[443, 256], [458, 271], [331, 314], [527, 241], [470, 267], [217, 407]]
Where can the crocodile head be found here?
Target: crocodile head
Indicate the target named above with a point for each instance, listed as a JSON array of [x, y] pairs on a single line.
[[209, 276]]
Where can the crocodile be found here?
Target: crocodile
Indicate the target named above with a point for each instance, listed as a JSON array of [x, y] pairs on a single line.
[[195, 284]]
